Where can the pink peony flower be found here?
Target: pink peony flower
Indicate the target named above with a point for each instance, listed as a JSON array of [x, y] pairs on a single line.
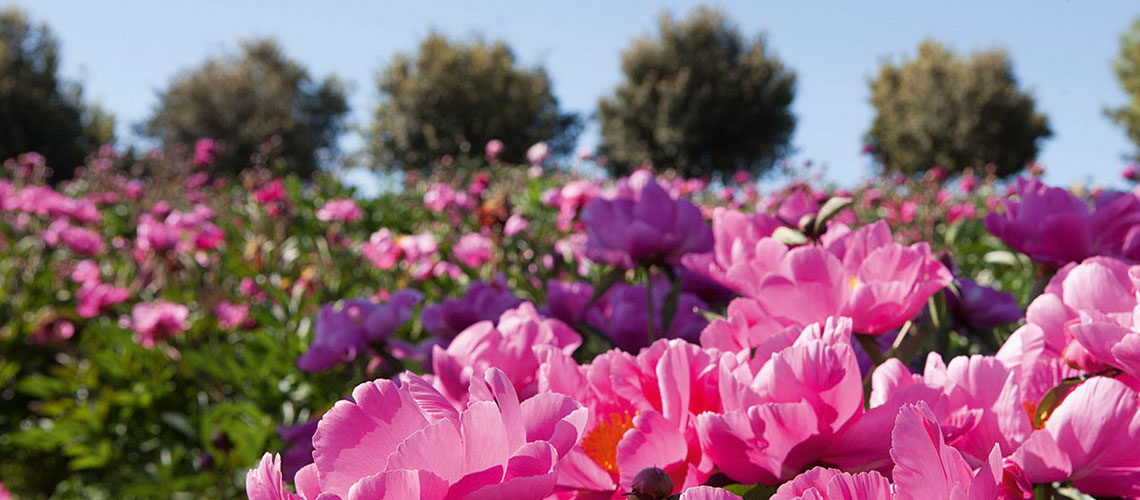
[[205, 151], [230, 315], [153, 321], [386, 443], [493, 149], [85, 272], [1089, 440], [381, 249], [439, 197], [515, 224], [272, 191], [343, 210], [735, 239], [95, 297], [473, 249], [643, 413], [538, 153], [513, 345]]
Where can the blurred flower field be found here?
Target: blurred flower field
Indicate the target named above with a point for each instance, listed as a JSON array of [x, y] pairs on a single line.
[[491, 330]]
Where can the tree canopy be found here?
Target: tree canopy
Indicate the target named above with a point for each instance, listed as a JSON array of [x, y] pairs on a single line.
[[701, 97], [452, 97], [940, 109], [1127, 69], [249, 100], [39, 110]]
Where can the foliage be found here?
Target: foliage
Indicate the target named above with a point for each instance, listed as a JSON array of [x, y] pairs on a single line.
[[701, 98], [450, 98], [940, 109], [1127, 70], [39, 110], [250, 102]]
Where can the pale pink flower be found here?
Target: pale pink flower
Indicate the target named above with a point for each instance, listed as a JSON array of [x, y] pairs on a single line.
[[342, 210]]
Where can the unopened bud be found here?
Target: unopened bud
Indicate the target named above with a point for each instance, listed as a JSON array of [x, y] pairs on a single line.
[[651, 484]]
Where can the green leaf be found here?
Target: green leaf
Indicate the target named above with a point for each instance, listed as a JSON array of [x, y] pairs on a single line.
[[789, 236], [829, 210]]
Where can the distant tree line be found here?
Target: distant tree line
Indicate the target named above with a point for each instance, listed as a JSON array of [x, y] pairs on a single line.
[[699, 96]]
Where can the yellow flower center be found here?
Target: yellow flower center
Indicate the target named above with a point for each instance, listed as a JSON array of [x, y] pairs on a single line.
[[600, 444]]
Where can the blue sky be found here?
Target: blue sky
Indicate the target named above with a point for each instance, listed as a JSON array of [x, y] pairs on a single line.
[[125, 51]]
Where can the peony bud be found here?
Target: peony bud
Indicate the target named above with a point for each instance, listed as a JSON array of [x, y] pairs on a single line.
[[651, 484]]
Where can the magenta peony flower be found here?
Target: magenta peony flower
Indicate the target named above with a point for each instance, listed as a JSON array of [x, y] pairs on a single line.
[[272, 191], [342, 332], [647, 227], [482, 302], [981, 307], [154, 321], [512, 345], [342, 210], [473, 249], [1055, 227], [621, 314], [205, 151], [386, 443]]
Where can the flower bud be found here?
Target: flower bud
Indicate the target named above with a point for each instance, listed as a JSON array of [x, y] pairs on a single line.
[[651, 484]]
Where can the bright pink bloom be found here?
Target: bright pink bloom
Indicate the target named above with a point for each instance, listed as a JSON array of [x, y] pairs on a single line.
[[785, 407], [439, 197], [344, 210], [515, 224], [95, 297], [646, 227], [643, 413], [205, 150], [796, 205], [513, 345], [230, 315], [708, 493], [134, 189], [85, 272], [381, 249], [831, 484], [735, 239], [387, 443], [1090, 440], [272, 191], [473, 249], [52, 333], [153, 321]]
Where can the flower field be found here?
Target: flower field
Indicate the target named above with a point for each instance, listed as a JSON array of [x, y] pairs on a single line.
[[502, 331]]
